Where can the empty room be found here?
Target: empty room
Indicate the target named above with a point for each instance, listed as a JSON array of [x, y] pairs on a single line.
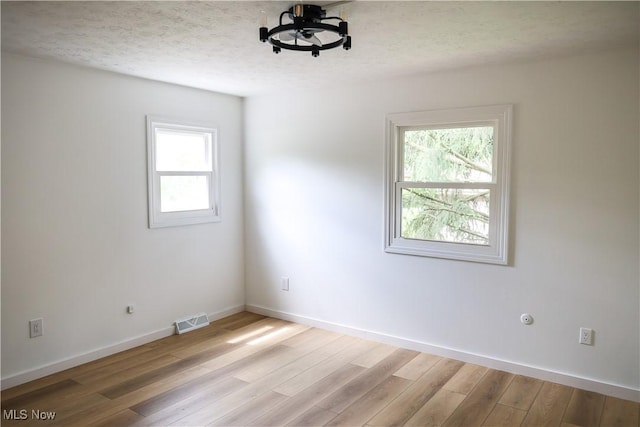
[[353, 213]]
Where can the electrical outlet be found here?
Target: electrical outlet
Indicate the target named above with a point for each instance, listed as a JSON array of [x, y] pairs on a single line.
[[284, 284], [586, 336], [35, 328]]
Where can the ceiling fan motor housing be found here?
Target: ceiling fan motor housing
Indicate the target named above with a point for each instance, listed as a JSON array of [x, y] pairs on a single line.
[[302, 14]]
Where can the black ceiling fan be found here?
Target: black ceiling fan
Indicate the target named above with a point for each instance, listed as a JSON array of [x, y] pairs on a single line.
[[306, 22]]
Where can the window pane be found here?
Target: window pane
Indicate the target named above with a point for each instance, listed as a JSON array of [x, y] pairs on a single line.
[[183, 193], [446, 214], [448, 155], [183, 151]]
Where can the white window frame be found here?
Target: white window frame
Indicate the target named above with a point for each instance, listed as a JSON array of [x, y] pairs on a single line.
[[157, 218], [498, 116]]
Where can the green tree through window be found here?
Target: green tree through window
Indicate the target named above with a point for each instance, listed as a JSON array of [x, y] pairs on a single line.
[[445, 156]]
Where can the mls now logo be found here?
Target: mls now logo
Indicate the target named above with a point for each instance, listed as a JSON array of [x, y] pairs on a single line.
[[23, 414]]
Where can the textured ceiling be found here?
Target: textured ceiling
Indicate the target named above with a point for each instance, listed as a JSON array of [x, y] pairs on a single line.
[[215, 46]]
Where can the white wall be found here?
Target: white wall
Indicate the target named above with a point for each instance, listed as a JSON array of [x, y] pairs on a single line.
[[76, 246], [314, 213]]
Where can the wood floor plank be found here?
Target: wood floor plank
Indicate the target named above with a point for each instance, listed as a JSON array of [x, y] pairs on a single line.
[[122, 418], [371, 403], [83, 416], [149, 377], [226, 338], [310, 337], [480, 402], [266, 383], [341, 344], [466, 379], [115, 372], [231, 366], [65, 406], [549, 405], [436, 411], [238, 320], [417, 394], [307, 398], [279, 334], [293, 368], [300, 349], [312, 417], [31, 386], [250, 410], [175, 342], [352, 391], [618, 412], [34, 396], [177, 407], [309, 377], [72, 372], [584, 408], [418, 366], [62, 409], [373, 356], [268, 363], [504, 416], [260, 386], [204, 385], [521, 392], [192, 339], [220, 408], [185, 344], [232, 401]]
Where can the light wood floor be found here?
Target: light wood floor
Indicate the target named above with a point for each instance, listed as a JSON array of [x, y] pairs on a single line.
[[256, 371]]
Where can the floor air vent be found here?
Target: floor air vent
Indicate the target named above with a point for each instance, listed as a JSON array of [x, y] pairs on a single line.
[[191, 323]]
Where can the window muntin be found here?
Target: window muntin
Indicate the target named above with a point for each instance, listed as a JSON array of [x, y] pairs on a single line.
[[447, 183], [184, 183]]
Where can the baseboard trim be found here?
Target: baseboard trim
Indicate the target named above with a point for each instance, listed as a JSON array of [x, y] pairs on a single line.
[[61, 365], [608, 389]]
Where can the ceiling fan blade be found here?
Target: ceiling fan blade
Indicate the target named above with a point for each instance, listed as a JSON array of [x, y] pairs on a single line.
[[287, 36], [313, 40]]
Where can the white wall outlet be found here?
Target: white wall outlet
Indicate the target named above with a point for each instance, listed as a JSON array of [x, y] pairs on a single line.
[[284, 284], [130, 309], [35, 328], [526, 319], [586, 336]]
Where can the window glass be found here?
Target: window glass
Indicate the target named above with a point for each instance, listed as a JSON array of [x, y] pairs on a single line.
[[182, 151], [449, 155], [183, 193], [446, 214]]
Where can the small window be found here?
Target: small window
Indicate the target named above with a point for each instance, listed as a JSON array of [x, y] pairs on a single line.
[[184, 184], [447, 184]]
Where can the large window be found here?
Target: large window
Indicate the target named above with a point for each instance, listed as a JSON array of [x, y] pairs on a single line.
[[447, 184], [183, 173]]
